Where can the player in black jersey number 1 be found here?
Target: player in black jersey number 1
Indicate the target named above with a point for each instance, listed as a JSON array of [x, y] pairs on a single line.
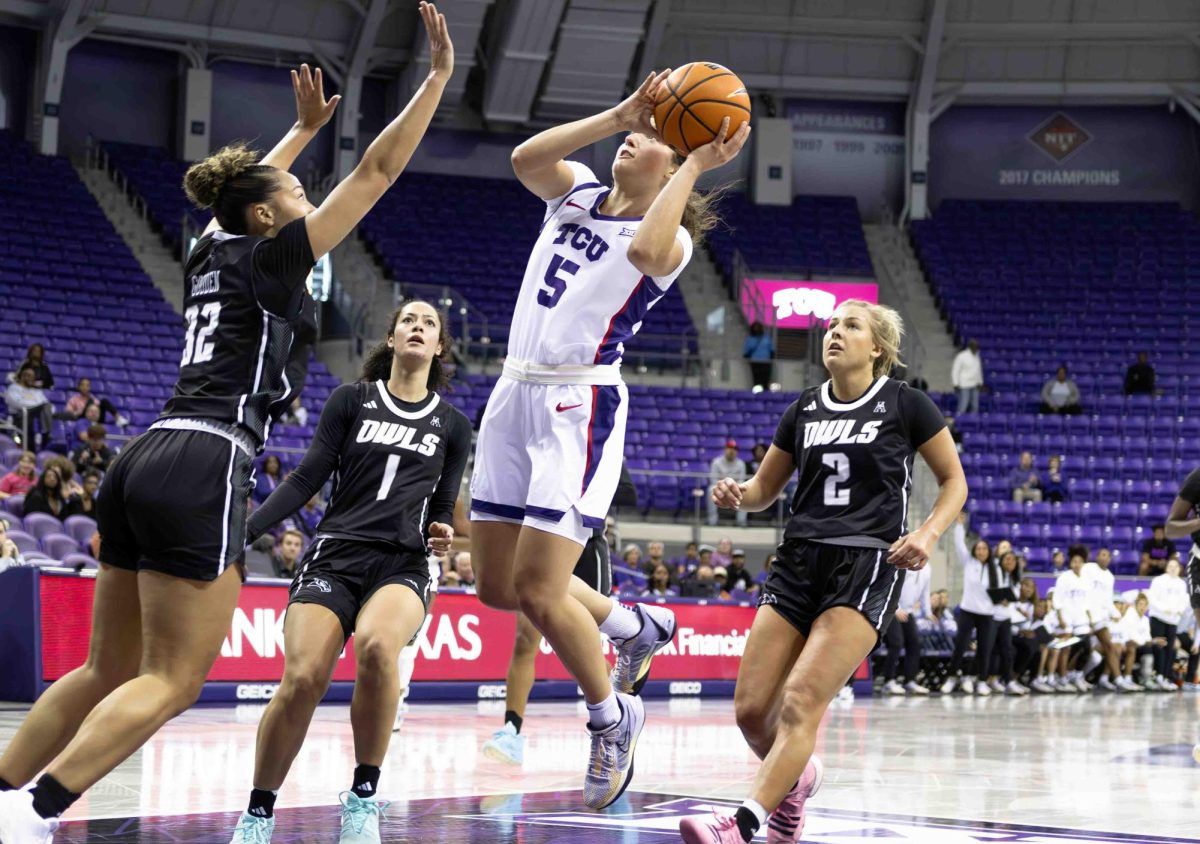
[[171, 510], [836, 583], [399, 453], [1184, 521]]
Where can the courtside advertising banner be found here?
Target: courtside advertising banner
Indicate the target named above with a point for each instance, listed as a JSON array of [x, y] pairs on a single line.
[[462, 640], [798, 303]]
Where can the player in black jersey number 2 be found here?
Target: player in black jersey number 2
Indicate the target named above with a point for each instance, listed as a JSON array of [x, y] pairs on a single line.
[[836, 583], [397, 453], [171, 511]]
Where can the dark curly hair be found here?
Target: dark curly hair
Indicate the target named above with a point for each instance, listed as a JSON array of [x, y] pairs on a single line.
[[229, 181], [377, 365]]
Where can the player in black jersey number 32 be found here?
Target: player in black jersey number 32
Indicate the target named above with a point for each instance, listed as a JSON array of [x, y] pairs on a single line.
[[397, 453], [171, 510], [836, 583]]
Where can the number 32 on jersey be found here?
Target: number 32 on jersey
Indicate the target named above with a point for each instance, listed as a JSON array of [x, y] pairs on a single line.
[[197, 338]]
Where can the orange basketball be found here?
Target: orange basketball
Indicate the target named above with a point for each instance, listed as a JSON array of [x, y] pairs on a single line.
[[693, 101]]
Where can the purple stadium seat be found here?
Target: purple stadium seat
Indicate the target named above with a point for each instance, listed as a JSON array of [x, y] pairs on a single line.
[[26, 543], [59, 545], [82, 528], [42, 525], [79, 562]]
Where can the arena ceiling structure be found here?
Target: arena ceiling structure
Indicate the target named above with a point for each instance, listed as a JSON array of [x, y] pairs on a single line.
[[527, 63]]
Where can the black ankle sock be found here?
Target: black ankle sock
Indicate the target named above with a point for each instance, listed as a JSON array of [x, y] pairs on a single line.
[[513, 718], [262, 803], [366, 781], [747, 823], [51, 798], [5, 785]]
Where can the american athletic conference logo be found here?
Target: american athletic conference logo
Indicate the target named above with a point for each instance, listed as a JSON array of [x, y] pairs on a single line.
[[1060, 137]]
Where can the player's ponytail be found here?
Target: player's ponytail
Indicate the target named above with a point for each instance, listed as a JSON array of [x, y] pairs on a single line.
[[377, 364], [229, 181], [700, 215]]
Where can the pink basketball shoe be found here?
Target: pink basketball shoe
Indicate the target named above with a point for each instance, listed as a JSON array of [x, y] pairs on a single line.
[[786, 824]]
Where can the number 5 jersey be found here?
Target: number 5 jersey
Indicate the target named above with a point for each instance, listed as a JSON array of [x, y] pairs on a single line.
[[242, 296]]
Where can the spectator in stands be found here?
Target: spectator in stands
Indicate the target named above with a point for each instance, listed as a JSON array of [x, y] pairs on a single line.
[[760, 351], [94, 455], [654, 557], [728, 465], [10, 554], [904, 632], [270, 477], [721, 578], [27, 402], [659, 584], [78, 428], [1001, 678], [83, 398], [685, 565], [1058, 560], [966, 373], [1155, 552], [297, 413], [631, 557], [1054, 485], [1168, 602], [1139, 378], [723, 556], [450, 579], [47, 496], [310, 515], [1133, 634], [1023, 480], [980, 573], [66, 471], [287, 553], [22, 478], [1061, 395], [756, 458], [35, 356], [702, 585], [737, 576], [941, 624], [465, 571], [84, 504], [1026, 646], [706, 557]]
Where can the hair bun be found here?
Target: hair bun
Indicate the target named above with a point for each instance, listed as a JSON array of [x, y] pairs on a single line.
[[204, 179]]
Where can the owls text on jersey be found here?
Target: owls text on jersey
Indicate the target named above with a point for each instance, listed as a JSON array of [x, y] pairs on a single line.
[[854, 461], [241, 296], [396, 468], [581, 298]]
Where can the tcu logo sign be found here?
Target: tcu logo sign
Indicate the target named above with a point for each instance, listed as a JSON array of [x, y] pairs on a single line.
[[803, 301], [583, 239]]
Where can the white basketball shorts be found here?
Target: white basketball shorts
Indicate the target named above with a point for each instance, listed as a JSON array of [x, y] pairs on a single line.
[[549, 455]]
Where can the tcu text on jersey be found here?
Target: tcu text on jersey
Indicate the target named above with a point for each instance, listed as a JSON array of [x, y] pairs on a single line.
[[839, 432], [401, 436], [583, 239]]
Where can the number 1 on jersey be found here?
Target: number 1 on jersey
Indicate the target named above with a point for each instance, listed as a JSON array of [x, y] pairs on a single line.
[[840, 464], [389, 475]]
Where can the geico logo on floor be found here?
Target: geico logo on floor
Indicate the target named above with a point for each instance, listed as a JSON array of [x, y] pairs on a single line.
[[684, 687], [256, 691], [492, 692]]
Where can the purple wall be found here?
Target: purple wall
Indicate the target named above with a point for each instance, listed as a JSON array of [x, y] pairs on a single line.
[[136, 102], [18, 58], [1048, 153]]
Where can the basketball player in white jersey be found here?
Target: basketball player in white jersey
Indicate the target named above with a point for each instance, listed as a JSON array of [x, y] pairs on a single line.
[[550, 445]]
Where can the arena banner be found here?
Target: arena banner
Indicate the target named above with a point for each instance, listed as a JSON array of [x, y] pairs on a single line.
[[1064, 153], [462, 640], [799, 303], [855, 148]]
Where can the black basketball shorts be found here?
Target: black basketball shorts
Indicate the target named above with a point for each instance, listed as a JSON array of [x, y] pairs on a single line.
[[1192, 573], [174, 501], [809, 578], [595, 565], [342, 575]]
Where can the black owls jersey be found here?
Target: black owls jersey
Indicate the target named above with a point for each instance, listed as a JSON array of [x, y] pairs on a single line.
[[242, 299], [396, 468], [854, 461]]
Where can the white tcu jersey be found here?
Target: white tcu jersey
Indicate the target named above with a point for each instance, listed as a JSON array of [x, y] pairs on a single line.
[[581, 298]]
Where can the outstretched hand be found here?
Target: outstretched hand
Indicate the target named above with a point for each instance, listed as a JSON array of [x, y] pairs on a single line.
[[312, 109], [634, 112], [440, 537], [721, 149], [441, 49]]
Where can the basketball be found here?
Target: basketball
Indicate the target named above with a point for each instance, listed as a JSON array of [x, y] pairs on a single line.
[[693, 101]]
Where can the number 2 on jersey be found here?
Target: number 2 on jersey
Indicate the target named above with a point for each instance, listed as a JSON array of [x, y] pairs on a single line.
[[389, 475], [198, 345], [558, 286], [839, 463]]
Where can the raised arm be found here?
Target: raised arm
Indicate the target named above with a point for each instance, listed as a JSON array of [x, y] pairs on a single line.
[[389, 153], [539, 162], [655, 250]]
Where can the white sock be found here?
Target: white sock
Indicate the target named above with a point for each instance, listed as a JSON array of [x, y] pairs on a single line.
[[757, 810], [622, 623], [605, 713]]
